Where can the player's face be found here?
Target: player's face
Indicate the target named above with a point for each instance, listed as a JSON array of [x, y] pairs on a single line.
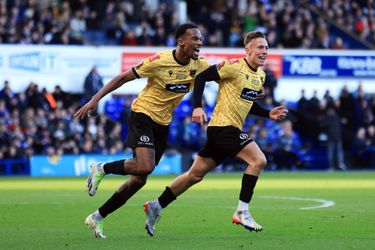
[[192, 43], [257, 51]]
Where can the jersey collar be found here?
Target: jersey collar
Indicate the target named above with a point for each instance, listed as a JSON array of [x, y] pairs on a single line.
[[250, 66], [175, 58]]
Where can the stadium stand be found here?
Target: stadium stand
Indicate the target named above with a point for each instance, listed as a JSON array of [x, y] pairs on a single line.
[[288, 24], [38, 122]]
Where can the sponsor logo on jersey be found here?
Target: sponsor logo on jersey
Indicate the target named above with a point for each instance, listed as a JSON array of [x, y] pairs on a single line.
[[249, 94], [178, 88], [181, 76]]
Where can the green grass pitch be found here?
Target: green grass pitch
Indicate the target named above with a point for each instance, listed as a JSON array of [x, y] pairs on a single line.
[[49, 213]]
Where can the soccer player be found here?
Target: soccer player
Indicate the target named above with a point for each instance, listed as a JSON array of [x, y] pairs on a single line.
[[240, 82], [170, 76]]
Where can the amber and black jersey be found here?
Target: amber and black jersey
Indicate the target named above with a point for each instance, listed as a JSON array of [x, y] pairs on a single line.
[[168, 82], [238, 84]]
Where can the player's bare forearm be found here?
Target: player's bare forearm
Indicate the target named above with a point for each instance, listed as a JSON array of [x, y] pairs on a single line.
[[115, 83]]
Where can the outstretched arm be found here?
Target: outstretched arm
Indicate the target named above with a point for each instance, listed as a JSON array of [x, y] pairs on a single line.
[[210, 74], [115, 83], [277, 113]]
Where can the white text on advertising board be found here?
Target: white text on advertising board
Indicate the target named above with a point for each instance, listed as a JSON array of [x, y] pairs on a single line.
[[304, 65]]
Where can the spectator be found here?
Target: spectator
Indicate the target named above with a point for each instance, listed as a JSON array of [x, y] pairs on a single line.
[[270, 81], [335, 153], [93, 83], [361, 148], [288, 144]]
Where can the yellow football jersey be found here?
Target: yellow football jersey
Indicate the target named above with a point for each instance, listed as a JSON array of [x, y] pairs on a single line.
[[237, 85], [168, 82]]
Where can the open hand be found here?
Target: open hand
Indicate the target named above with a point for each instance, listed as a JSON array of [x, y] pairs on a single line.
[[278, 113], [199, 116], [87, 109]]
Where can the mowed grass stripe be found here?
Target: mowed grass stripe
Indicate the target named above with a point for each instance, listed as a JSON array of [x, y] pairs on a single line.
[[51, 215], [212, 181]]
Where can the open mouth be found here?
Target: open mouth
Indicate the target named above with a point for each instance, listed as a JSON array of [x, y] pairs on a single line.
[[262, 57]]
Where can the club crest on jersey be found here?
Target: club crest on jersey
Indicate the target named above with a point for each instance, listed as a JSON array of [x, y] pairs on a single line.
[[178, 88], [249, 94], [193, 72], [154, 57], [170, 73]]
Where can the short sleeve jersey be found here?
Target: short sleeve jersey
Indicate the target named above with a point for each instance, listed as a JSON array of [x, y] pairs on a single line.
[[237, 85], [168, 82]]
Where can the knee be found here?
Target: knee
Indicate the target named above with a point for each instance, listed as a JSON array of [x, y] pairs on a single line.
[[261, 162], [145, 167], [195, 178], [139, 181]]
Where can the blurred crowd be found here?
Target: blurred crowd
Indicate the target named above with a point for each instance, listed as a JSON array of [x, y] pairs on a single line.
[[287, 23], [39, 122]]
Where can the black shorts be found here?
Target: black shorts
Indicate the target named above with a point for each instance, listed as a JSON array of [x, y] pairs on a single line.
[[224, 142], [144, 132]]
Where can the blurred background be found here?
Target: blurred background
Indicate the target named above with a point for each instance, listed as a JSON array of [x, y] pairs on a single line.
[[54, 55]]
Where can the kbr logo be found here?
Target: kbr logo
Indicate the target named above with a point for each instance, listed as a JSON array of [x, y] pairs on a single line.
[[304, 65], [36, 61], [144, 138]]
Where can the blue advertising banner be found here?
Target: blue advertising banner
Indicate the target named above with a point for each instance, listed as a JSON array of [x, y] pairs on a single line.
[[328, 66], [78, 165]]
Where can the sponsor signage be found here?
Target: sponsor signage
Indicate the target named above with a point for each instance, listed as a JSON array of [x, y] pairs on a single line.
[[130, 59], [328, 66], [78, 165], [34, 61]]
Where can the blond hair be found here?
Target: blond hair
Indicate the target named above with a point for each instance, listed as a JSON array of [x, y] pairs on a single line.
[[252, 35]]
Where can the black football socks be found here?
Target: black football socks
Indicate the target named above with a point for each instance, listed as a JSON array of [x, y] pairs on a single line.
[[247, 188], [112, 204], [115, 167], [166, 197]]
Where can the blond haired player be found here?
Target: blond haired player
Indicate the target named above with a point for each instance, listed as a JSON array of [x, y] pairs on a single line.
[[240, 83]]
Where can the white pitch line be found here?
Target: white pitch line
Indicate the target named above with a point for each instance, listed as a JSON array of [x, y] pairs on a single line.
[[326, 203]]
